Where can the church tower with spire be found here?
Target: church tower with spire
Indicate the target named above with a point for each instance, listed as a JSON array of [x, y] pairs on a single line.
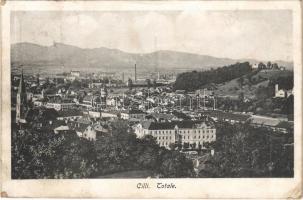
[[21, 104]]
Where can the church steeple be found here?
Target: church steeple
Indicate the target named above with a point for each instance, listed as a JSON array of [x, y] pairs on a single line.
[[21, 104], [21, 88]]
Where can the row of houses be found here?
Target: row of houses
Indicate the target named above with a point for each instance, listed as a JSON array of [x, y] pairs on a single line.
[[83, 127]]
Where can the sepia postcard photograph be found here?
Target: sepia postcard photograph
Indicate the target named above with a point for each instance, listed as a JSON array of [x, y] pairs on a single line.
[[161, 99]]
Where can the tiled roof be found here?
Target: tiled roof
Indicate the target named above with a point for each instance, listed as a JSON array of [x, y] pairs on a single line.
[[68, 113], [79, 127], [54, 124], [171, 125], [91, 97], [88, 98], [161, 115], [133, 112], [226, 115], [268, 121]]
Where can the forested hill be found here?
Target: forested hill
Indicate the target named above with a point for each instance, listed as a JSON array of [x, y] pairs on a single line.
[[190, 81]]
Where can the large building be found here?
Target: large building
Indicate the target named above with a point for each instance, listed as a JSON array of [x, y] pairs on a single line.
[[133, 114], [189, 134], [60, 104], [75, 73]]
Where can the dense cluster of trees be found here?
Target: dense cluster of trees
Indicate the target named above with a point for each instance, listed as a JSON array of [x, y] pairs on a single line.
[[38, 154], [194, 80], [263, 103], [244, 151], [285, 82], [48, 155], [241, 151]]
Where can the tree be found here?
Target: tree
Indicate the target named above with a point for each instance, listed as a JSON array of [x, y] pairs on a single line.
[[47, 155], [148, 83], [240, 81], [241, 97], [245, 151], [194, 80], [269, 65], [154, 83], [261, 66], [174, 164], [275, 66], [130, 84]]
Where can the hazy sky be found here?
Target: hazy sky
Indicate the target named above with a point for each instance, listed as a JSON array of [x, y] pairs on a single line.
[[263, 35]]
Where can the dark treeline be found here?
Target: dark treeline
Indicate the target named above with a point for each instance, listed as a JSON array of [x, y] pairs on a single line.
[[194, 80], [241, 151], [42, 154], [284, 82], [244, 151]]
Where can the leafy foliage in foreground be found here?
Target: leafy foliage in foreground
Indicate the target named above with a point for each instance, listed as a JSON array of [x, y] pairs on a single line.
[[244, 151], [48, 155]]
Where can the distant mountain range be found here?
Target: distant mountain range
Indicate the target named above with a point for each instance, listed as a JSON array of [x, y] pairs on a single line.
[[72, 57]]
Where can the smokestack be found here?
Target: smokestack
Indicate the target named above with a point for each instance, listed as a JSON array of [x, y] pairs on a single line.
[[276, 88], [204, 100], [135, 72]]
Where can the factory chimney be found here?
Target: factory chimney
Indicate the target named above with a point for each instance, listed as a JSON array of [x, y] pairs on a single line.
[[135, 72]]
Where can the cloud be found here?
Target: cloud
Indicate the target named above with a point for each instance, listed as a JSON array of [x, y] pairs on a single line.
[[263, 34]]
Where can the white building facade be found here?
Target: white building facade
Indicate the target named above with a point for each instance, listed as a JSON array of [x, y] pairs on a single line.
[[189, 134]]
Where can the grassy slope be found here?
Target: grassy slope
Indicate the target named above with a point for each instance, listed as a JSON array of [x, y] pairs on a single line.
[[233, 88]]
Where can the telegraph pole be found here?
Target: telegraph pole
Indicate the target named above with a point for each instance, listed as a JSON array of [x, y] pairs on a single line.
[[135, 72], [204, 108]]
